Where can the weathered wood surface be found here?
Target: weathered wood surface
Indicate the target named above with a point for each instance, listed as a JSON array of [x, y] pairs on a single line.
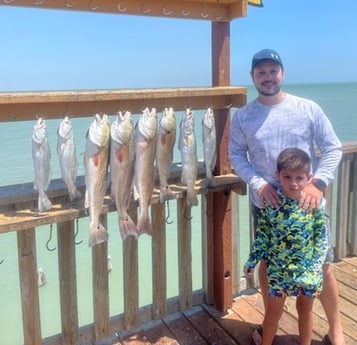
[[212, 10], [205, 325]]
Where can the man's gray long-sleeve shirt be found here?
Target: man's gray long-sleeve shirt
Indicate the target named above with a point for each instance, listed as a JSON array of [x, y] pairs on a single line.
[[259, 133]]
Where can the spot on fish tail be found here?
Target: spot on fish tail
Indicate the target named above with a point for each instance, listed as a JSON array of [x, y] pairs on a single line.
[[120, 155]]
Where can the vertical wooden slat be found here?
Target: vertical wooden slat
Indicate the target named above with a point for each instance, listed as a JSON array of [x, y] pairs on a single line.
[[131, 278], [207, 246], [68, 282], [101, 287], [236, 274], [342, 208], [184, 254], [159, 261], [354, 206], [222, 201], [26, 243]]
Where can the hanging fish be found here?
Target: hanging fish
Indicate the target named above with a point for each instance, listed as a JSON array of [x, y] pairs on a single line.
[[41, 156], [122, 160], [96, 168], [209, 145], [188, 149], [66, 150], [144, 174], [164, 151]]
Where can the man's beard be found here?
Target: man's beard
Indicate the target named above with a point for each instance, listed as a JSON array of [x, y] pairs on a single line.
[[275, 92]]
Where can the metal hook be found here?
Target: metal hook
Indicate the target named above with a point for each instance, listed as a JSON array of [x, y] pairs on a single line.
[[48, 241], [183, 11], [120, 8], [36, 2], [76, 233], [218, 9], [70, 4], [165, 11], [8, 1], [91, 7], [142, 7], [203, 9], [168, 214], [2, 261]]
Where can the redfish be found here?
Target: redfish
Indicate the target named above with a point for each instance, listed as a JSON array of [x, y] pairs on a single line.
[[41, 156], [122, 155], [96, 168], [145, 146], [209, 145], [66, 150], [164, 151], [188, 148]]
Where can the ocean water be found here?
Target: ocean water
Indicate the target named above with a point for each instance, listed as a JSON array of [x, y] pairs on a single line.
[[337, 100]]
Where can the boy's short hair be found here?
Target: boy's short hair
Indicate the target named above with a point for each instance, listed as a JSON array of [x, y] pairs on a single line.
[[293, 158]]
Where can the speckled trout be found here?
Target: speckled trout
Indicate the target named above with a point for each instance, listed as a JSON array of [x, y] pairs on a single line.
[[209, 145], [41, 156], [145, 145], [188, 149], [96, 166], [164, 151], [66, 150], [122, 155]]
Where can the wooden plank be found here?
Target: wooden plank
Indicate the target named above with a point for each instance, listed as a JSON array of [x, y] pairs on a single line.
[[238, 329], [184, 254], [68, 279], [207, 246], [224, 10], [101, 287], [56, 104], [342, 208], [131, 278], [159, 260], [156, 332], [346, 274], [183, 331], [208, 328], [26, 244], [222, 203]]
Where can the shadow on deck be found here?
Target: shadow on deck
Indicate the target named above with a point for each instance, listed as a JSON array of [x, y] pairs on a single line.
[[205, 325]]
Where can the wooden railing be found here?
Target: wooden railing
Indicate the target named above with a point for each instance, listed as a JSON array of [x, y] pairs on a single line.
[[18, 214]]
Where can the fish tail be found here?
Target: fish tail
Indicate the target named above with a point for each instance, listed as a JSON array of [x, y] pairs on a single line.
[[97, 234], [144, 225], [191, 199], [127, 227], [166, 193], [74, 194], [44, 203]]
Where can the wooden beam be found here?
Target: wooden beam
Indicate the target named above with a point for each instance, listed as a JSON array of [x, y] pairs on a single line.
[[222, 201], [212, 10], [24, 106]]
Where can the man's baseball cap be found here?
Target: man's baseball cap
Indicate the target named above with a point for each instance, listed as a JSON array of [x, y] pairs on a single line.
[[266, 54]]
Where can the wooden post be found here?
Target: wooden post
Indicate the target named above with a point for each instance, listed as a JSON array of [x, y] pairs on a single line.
[[222, 201]]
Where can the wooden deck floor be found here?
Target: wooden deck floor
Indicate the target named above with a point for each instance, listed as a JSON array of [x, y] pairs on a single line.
[[205, 325]]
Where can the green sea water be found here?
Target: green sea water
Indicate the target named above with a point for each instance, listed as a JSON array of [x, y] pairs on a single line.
[[338, 101]]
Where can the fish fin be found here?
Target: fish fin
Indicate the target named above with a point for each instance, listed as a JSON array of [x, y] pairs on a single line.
[[127, 227], [136, 193], [97, 234], [144, 225], [44, 203]]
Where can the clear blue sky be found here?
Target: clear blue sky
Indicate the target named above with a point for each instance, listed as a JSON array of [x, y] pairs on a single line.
[[69, 50]]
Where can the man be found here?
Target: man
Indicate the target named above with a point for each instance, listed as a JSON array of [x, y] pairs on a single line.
[[264, 127]]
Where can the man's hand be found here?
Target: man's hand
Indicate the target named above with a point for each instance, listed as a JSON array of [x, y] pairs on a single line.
[[310, 198], [267, 193]]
